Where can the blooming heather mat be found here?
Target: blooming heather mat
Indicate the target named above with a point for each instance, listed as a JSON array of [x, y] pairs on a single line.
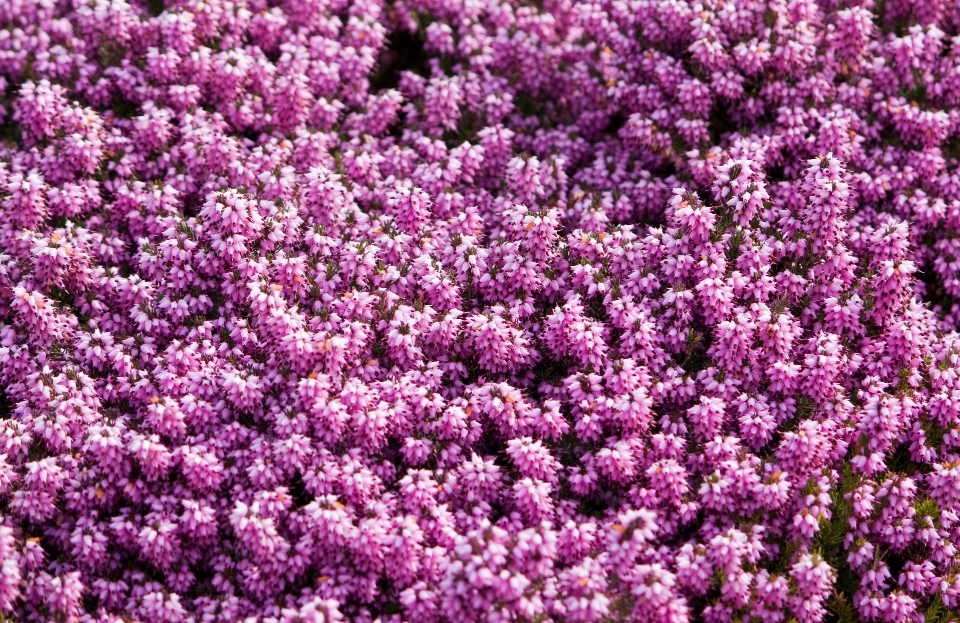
[[479, 311]]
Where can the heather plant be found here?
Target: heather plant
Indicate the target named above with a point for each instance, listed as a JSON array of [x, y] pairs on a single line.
[[331, 310]]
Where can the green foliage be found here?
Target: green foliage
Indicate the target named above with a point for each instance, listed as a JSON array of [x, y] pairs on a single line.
[[841, 608], [936, 612]]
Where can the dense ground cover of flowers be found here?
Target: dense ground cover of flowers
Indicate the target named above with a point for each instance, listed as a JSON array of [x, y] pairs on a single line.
[[478, 310]]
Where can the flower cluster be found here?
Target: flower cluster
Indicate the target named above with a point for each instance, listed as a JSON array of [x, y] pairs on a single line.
[[500, 311]]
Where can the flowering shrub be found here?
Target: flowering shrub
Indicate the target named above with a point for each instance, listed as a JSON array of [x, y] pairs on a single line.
[[631, 310]]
